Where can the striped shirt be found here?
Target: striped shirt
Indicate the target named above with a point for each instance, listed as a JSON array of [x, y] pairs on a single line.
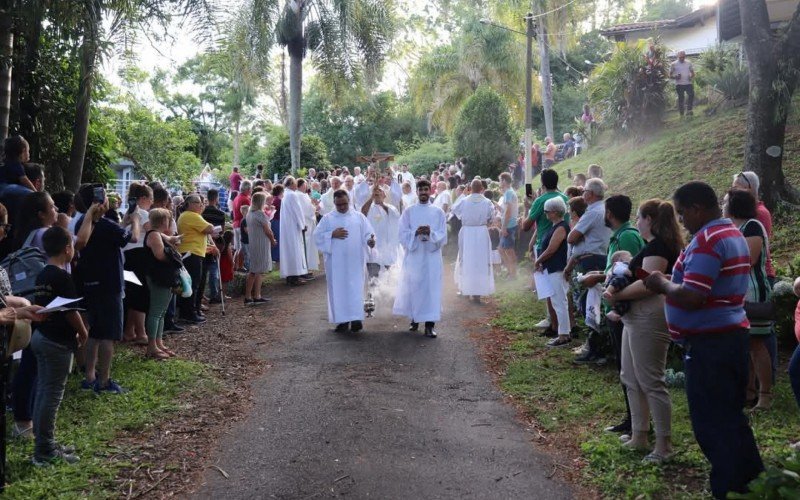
[[716, 264]]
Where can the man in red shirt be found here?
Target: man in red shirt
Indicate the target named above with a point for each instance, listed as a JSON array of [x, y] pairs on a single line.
[[243, 199], [236, 180]]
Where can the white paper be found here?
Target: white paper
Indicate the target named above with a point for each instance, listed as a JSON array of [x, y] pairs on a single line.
[[59, 304], [543, 288], [130, 276]]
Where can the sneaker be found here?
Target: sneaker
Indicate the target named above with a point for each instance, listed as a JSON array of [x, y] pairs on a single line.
[[620, 428], [545, 323], [173, 328], [55, 457], [600, 360], [65, 448], [356, 326], [558, 342], [585, 358], [111, 388], [22, 432], [261, 300], [86, 385], [548, 332]]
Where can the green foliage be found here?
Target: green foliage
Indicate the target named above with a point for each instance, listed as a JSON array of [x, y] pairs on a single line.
[[657, 10], [360, 124], [424, 156], [780, 481], [626, 93], [722, 71], [278, 159], [569, 101], [91, 423], [161, 149], [483, 133]]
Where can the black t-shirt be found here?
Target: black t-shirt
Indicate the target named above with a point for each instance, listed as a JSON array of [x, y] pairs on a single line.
[[214, 216], [655, 248], [100, 262], [245, 236], [54, 282]]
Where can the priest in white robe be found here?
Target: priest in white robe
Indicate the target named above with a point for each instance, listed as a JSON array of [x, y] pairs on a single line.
[[384, 219], [343, 236], [474, 275], [326, 202], [422, 234], [293, 235], [310, 215]]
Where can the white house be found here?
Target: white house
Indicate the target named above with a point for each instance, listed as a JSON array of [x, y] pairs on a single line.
[[124, 173], [699, 30]]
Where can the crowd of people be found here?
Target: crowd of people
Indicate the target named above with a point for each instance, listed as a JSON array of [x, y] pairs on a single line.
[[627, 274]]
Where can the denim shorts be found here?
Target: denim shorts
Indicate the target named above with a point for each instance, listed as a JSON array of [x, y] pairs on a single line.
[[509, 241], [104, 312]]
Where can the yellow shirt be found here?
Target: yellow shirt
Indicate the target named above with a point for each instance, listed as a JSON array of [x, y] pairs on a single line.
[[191, 225]]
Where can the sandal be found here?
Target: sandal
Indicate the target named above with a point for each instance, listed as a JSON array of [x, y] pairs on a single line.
[[170, 352], [657, 458], [759, 407], [158, 356]]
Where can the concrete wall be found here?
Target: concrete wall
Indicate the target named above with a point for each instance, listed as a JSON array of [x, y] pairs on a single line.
[[693, 40]]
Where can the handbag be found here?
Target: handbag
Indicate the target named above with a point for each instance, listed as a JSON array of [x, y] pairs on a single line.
[[760, 311]]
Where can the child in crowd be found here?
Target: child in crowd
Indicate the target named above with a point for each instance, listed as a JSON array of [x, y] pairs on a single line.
[[53, 343], [619, 277], [226, 260]]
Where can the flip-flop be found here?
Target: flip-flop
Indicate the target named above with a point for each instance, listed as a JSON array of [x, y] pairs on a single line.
[[657, 458]]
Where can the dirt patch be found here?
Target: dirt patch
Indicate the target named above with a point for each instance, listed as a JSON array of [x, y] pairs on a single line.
[[168, 458], [569, 463]]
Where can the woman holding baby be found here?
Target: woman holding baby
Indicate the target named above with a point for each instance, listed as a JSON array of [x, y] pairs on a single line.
[[645, 338]]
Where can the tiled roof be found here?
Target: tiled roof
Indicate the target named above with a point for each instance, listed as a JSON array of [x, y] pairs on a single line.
[[687, 20]]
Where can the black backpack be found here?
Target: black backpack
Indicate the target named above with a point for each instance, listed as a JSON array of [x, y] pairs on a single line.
[[23, 266]]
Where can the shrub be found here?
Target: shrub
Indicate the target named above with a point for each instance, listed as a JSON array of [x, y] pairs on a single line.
[[627, 93], [722, 71], [424, 156], [278, 158], [483, 134]]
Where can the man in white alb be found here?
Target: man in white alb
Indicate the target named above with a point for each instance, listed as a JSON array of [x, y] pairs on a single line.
[[443, 198], [310, 215], [474, 275], [343, 237], [326, 202], [293, 234], [405, 175], [384, 219], [423, 233], [409, 196]]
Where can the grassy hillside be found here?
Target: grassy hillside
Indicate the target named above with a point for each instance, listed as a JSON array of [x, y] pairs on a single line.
[[702, 148]]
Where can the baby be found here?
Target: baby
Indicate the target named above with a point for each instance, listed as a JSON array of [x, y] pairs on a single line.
[[618, 278]]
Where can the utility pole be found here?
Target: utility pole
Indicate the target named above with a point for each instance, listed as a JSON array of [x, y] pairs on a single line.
[[529, 34], [544, 70]]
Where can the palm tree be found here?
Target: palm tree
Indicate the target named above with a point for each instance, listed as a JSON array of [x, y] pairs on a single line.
[[347, 39], [448, 75]]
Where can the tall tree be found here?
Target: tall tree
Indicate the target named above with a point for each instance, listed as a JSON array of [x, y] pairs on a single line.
[[347, 39], [773, 58]]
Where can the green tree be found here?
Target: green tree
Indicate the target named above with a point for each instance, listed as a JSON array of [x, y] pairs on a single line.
[[656, 10], [278, 157], [347, 40], [423, 157], [483, 133], [449, 75]]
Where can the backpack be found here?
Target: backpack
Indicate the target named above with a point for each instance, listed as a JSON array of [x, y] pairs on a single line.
[[23, 266]]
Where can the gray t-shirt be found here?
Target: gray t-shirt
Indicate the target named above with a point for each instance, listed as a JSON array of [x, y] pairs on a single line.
[[592, 225], [684, 69]]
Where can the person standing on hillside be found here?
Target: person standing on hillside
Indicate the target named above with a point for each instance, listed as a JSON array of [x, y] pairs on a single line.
[[682, 71], [423, 233], [705, 310], [549, 155]]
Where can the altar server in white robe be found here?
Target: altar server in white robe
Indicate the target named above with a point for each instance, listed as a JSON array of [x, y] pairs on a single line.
[[310, 215], [293, 234], [384, 219], [423, 233], [343, 237], [474, 275]]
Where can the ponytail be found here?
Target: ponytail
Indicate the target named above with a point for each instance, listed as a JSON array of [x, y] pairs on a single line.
[[664, 223]]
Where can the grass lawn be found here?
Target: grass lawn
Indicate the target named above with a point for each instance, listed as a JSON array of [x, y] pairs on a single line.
[[574, 403], [91, 422]]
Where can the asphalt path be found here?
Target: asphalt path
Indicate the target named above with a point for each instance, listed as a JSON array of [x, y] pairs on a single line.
[[385, 413]]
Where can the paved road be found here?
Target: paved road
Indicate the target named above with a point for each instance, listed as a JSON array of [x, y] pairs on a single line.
[[380, 414]]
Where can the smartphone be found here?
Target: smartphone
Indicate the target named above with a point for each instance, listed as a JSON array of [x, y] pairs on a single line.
[[641, 274], [528, 191], [131, 207], [98, 194]]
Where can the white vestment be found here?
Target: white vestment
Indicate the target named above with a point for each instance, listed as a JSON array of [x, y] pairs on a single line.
[[345, 263], [474, 274], [362, 192], [444, 199], [410, 199], [409, 178], [293, 256], [326, 202], [310, 214], [385, 223], [419, 294]]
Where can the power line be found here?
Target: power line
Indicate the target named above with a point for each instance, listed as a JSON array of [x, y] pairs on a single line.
[[554, 10]]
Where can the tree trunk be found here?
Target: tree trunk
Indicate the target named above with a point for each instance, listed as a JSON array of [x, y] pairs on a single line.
[[6, 63], [80, 134], [768, 109], [283, 112], [544, 72], [236, 141], [295, 106]]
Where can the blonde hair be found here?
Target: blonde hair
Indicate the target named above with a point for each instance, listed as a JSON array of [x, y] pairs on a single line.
[[258, 201], [159, 216]]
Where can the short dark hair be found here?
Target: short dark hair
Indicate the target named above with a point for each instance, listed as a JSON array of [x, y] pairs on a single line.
[[277, 190], [55, 240], [423, 183], [549, 178], [63, 199], [212, 195], [14, 146], [160, 195], [696, 193], [741, 204], [341, 193], [620, 207], [34, 171]]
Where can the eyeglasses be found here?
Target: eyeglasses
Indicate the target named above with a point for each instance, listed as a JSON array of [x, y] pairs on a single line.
[[744, 177]]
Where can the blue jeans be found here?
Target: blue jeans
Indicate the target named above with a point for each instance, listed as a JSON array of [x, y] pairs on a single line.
[[213, 280], [54, 361], [717, 370], [794, 373]]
